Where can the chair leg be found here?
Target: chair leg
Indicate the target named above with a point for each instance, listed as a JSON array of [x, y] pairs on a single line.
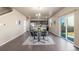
[[34, 37], [43, 37]]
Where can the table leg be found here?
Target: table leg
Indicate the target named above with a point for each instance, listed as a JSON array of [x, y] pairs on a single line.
[[38, 37]]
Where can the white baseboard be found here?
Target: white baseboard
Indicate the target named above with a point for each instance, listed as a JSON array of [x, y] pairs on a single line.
[[11, 39], [76, 45], [56, 34]]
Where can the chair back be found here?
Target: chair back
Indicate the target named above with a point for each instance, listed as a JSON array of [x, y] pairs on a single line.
[[33, 33], [43, 33]]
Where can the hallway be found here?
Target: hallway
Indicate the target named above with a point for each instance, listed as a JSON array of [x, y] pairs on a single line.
[[60, 45]]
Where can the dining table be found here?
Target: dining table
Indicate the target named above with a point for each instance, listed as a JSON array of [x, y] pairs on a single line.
[[39, 32]]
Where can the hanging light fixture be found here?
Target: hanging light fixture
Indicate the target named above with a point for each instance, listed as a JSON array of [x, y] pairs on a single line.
[[38, 15]]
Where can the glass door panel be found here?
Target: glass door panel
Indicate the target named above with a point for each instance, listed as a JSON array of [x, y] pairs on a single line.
[[67, 27], [70, 27], [63, 31]]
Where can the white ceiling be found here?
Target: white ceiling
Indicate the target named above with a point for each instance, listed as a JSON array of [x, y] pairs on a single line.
[[45, 12]]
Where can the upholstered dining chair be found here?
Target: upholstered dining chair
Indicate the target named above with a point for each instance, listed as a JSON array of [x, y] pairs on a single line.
[[44, 33], [34, 34]]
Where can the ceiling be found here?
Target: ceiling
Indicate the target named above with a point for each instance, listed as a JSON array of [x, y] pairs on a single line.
[[38, 12], [4, 10]]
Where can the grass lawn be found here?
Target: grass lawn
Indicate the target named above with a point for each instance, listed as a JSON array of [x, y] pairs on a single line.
[[71, 33]]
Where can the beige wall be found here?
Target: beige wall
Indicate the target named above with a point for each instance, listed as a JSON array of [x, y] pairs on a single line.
[[55, 28], [11, 30], [77, 29]]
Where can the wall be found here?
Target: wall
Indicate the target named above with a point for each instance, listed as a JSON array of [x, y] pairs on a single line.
[[27, 25], [76, 43], [9, 26], [55, 28]]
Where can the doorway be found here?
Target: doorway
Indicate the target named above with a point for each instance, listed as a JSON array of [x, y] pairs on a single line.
[[67, 27]]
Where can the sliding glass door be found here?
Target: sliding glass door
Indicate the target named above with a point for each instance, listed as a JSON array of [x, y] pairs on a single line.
[[70, 27], [63, 27], [67, 27]]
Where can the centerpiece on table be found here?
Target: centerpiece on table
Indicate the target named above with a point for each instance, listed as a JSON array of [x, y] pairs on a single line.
[[40, 29]]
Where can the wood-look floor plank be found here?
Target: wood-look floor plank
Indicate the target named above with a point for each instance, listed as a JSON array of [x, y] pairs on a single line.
[[16, 45]]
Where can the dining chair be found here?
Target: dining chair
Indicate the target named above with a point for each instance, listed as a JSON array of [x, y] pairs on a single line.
[[34, 34], [43, 34]]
